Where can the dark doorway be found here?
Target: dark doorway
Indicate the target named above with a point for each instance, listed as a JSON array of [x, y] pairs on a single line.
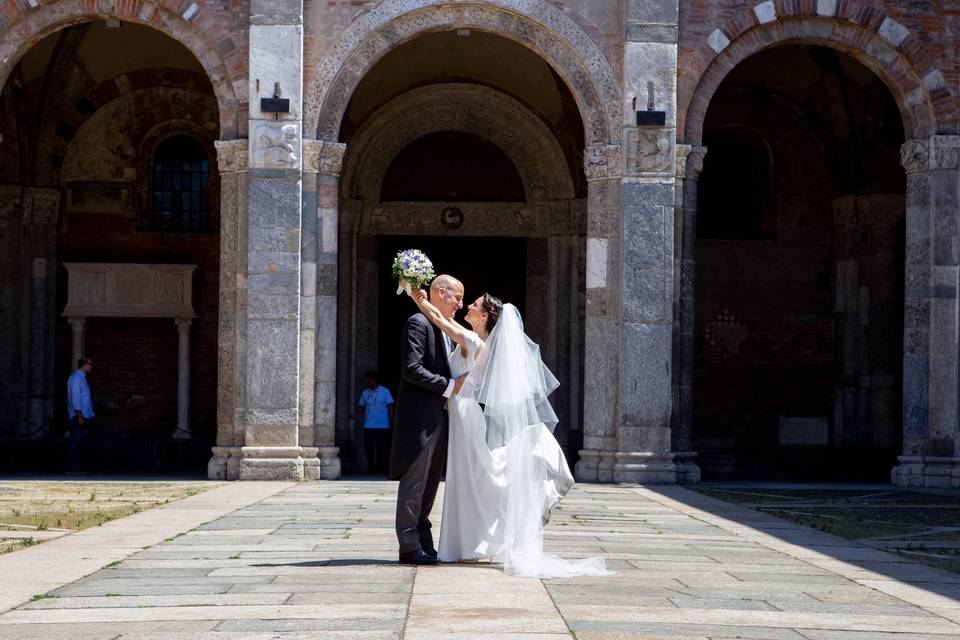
[[497, 265]]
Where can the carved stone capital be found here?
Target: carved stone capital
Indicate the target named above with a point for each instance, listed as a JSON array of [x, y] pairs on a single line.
[[232, 155], [690, 161], [311, 155], [603, 161], [331, 158], [915, 155], [945, 152], [11, 201], [649, 151], [41, 206]]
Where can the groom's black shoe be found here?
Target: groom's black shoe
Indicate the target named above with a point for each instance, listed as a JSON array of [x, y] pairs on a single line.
[[430, 552], [417, 556]]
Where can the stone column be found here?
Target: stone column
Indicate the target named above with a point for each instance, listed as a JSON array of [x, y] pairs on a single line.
[[41, 209], [603, 165], [322, 162], [272, 444], [183, 378], [930, 359], [232, 163], [650, 73], [688, 168], [78, 332], [11, 315]]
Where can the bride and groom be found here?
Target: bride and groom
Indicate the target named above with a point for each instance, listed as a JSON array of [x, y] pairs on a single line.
[[477, 399]]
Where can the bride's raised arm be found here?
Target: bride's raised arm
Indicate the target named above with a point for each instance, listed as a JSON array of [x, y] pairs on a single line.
[[453, 329]]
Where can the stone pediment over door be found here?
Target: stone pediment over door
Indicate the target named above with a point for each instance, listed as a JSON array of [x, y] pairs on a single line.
[[118, 290]]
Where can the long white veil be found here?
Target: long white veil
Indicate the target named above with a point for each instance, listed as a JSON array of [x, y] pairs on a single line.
[[512, 384]]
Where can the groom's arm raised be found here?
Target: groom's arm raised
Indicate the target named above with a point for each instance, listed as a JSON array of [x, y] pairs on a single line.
[[411, 352]]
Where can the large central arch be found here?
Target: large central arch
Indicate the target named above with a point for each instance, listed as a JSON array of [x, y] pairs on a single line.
[[535, 24]]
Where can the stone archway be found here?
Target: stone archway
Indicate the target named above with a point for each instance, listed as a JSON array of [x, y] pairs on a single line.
[[930, 365], [528, 142], [553, 36], [21, 35], [536, 24], [867, 46]]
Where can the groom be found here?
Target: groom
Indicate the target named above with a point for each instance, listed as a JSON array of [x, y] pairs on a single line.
[[420, 425]]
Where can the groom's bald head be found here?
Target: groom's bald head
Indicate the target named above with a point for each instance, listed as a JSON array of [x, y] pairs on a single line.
[[446, 294]]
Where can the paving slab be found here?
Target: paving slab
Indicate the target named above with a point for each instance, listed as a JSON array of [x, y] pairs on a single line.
[[318, 560]]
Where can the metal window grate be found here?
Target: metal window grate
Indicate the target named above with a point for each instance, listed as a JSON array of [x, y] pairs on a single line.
[[181, 174]]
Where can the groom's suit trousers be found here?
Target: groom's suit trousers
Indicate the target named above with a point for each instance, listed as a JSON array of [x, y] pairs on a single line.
[[417, 491]]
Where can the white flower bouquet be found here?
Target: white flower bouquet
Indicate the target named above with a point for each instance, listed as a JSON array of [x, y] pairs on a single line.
[[412, 269]]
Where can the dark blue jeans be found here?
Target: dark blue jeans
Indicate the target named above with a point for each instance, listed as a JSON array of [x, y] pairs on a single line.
[[76, 439]]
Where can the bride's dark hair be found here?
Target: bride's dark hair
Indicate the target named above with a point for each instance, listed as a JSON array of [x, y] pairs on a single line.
[[493, 308]]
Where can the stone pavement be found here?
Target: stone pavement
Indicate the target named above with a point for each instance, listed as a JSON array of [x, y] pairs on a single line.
[[318, 560]]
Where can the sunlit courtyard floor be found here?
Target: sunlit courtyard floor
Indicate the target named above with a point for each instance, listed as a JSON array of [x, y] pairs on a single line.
[[258, 561]]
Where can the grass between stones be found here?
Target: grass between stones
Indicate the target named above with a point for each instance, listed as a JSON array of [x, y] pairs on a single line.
[[34, 511], [923, 526]]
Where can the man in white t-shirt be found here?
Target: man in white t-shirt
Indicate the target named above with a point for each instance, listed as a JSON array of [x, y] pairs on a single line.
[[376, 403]]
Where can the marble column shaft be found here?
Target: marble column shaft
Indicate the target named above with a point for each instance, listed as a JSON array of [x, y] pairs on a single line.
[[272, 441], [688, 168], [322, 164], [232, 163], [183, 378], [41, 209], [648, 201], [930, 360]]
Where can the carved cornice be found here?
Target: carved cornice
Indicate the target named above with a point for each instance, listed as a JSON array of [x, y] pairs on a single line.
[[603, 161], [945, 152], [232, 155]]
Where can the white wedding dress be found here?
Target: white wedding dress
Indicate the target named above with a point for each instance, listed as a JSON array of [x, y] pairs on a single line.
[[505, 470]]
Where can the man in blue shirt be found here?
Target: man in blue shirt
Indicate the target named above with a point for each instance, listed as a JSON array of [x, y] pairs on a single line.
[[79, 411], [376, 402]]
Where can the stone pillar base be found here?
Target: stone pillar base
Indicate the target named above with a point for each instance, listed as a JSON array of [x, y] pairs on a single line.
[[595, 466], [225, 464], [329, 463], [278, 463], [926, 471], [644, 467], [687, 470]]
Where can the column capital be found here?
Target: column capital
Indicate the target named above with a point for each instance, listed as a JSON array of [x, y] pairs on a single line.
[[77, 320], [935, 152], [182, 322], [603, 161], [320, 156], [690, 161], [41, 205], [232, 155]]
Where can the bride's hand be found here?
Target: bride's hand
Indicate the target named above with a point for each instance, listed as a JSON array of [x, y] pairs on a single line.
[[418, 295]]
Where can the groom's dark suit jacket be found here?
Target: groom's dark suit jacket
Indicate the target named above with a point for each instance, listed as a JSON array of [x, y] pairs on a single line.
[[425, 373]]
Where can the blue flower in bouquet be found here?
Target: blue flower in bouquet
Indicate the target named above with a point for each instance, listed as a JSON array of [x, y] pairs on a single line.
[[412, 268]]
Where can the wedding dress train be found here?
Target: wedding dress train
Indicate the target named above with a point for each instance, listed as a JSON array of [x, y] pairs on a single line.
[[505, 470]]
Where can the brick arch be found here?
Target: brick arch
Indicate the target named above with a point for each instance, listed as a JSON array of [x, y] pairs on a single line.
[[915, 89], [536, 24], [27, 28]]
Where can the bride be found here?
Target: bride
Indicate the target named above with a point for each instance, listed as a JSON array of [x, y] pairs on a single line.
[[505, 470]]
